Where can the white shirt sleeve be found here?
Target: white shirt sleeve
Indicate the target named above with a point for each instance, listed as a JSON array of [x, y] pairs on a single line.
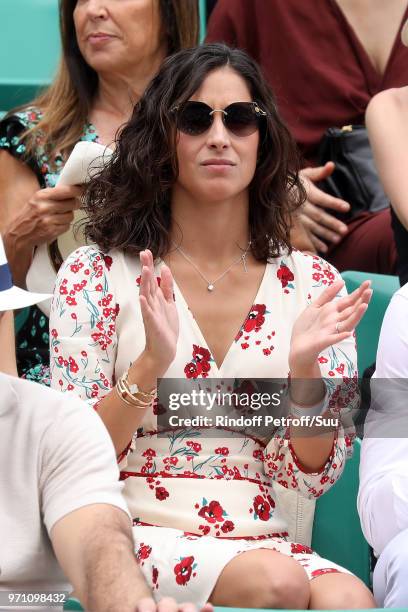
[[392, 353], [78, 464], [384, 453]]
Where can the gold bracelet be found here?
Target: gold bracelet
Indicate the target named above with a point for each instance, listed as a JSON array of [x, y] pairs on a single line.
[[131, 394]]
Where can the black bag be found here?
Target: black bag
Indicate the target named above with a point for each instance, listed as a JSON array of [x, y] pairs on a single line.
[[355, 177]]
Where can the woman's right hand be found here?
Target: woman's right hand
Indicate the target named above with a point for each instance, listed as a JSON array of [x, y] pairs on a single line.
[[47, 214], [159, 314]]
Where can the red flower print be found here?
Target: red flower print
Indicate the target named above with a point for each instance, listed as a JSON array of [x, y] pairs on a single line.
[[155, 576], [246, 387], [270, 501], [183, 570], [200, 363], [213, 513], [73, 366], [158, 408], [262, 508], [196, 446], [192, 370], [285, 275], [222, 450], [149, 452], [227, 527], [244, 345], [325, 570], [256, 318], [161, 493], [300, 549], [200, 353], [143, 552], [108, 261], [258, 454]]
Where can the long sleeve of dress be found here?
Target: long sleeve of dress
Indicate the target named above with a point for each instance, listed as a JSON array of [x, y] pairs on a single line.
[[338, 365], [82, 326]]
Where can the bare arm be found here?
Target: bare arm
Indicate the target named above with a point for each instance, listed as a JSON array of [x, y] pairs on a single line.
[[30, 216], [387, 124], [315, 330], [17, 184], [7, 354], [94, 547], [161, 328]]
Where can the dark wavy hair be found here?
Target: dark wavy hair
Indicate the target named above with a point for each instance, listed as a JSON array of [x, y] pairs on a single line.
[[128, 203]]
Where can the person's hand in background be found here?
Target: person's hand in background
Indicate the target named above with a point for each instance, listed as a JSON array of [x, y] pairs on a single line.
[[319, 224]]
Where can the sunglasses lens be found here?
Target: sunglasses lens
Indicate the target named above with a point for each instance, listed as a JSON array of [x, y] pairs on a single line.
[[194, 118], [241, 119]]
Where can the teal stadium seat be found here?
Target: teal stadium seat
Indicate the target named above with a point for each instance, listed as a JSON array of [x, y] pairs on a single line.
[[29, 49], [368, 331], [337, 532]]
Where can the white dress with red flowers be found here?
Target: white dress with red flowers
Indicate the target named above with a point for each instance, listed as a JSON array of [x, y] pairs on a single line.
[[198, 501]]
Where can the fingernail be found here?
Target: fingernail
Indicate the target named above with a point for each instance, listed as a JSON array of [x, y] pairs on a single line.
[[343, 228]]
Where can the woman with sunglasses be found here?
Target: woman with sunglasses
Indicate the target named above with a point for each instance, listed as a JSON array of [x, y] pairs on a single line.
[[194, 279]]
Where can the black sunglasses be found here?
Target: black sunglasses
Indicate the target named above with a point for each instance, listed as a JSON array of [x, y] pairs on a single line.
[[240, 118]]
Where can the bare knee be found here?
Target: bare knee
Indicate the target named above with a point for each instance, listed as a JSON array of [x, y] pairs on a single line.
[[338, 590], [262, 579]]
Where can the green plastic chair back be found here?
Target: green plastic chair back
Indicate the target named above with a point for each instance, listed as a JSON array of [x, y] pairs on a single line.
[[203, 19], [368, 331], [29, 49], [337, 532], [72, 604]]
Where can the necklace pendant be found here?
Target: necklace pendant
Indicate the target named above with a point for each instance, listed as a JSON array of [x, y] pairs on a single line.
[[210, 287]]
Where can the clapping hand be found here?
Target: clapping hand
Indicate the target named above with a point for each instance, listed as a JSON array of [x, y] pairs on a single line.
[[159, 314], [325, 322]]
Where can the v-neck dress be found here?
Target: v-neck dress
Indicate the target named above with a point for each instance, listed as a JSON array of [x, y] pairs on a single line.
[[198, 501]]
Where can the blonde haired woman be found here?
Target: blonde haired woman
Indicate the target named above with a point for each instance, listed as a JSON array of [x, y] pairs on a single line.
[[111, 50]]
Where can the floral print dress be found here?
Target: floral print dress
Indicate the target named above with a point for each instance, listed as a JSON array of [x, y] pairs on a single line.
[[32, 341], [198, 501]]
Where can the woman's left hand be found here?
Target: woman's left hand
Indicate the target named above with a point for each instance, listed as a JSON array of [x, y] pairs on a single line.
[[325, 322]]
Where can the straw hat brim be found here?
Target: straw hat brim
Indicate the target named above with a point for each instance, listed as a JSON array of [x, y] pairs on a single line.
[[14, 298]]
